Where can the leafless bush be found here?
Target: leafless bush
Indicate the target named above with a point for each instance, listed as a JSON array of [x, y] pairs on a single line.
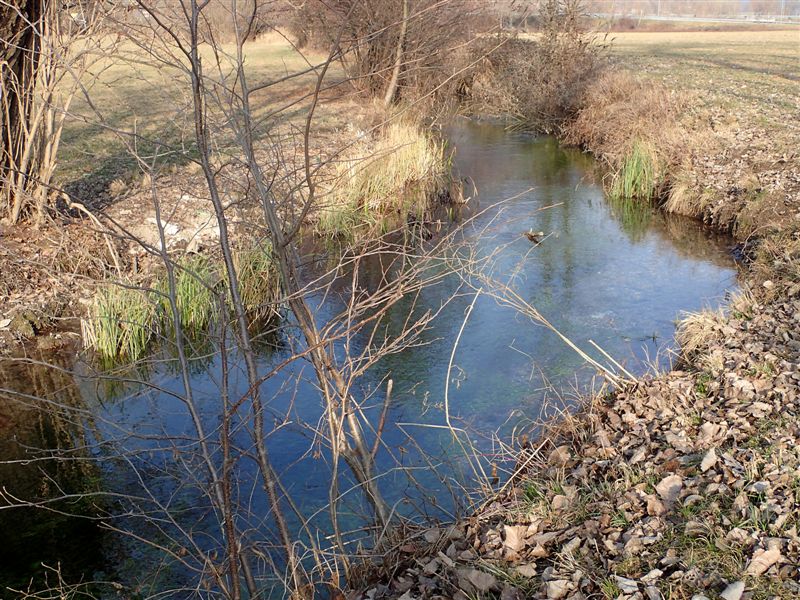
[[539, 80], [393, 48]]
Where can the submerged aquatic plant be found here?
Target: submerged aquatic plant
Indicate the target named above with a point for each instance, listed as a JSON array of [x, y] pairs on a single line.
[[633, 214], [121, 322], [639, 175]]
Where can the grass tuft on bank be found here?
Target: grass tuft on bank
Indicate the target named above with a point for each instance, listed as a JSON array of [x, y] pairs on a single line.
[[121, 322], [638, 177], [384, 182], [127, 317]]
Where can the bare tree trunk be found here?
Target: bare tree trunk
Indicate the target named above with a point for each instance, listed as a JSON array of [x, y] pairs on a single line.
[[20, 45], [391, 91]]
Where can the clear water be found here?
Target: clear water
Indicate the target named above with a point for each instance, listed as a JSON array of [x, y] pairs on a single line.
[[617, 276]]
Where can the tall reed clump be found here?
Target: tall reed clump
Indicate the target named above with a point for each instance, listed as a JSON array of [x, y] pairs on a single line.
[[124, 319], [259, 281], [195, 280], [639, 176], [121, 322], [384, 181]]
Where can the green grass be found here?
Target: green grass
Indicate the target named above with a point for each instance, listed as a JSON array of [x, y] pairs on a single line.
[[610, 589], [125, 318], [122, 321], [259, 281], [195, 279], [638, 178]]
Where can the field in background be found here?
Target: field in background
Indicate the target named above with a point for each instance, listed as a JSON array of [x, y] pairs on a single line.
[[137, 93], [753, 74]]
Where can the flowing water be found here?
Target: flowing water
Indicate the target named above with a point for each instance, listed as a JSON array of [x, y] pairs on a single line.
[[617, 275]]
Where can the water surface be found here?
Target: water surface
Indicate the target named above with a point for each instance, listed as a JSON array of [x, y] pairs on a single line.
[[617, 276]]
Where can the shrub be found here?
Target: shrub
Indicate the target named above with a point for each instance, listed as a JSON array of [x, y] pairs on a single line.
[[369, 31], [539, 81]]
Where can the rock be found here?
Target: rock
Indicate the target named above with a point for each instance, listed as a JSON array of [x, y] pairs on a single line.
[[653, 593], [431, 567], [763, 560], [557, 589], [480, 580], [652, 576], [734, 591], [432, 535], [655, 508], [709, 460], [694, 529], [670, 488], [571, 546], [511, 593], [22, 326], [559, 457]]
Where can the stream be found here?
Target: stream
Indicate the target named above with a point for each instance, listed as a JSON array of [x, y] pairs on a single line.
[[618, 276]]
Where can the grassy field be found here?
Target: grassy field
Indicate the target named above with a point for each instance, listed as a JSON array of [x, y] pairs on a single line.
[[136, 93], [753, 74]]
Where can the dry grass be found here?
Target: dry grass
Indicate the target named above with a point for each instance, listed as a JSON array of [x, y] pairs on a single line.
[[384, 181], [138, 93], [682, 198], [718, 111], [633, 126], [742, 80], [698, 331]]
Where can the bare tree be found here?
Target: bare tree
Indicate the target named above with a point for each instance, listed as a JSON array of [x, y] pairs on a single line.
[[49, 52]]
